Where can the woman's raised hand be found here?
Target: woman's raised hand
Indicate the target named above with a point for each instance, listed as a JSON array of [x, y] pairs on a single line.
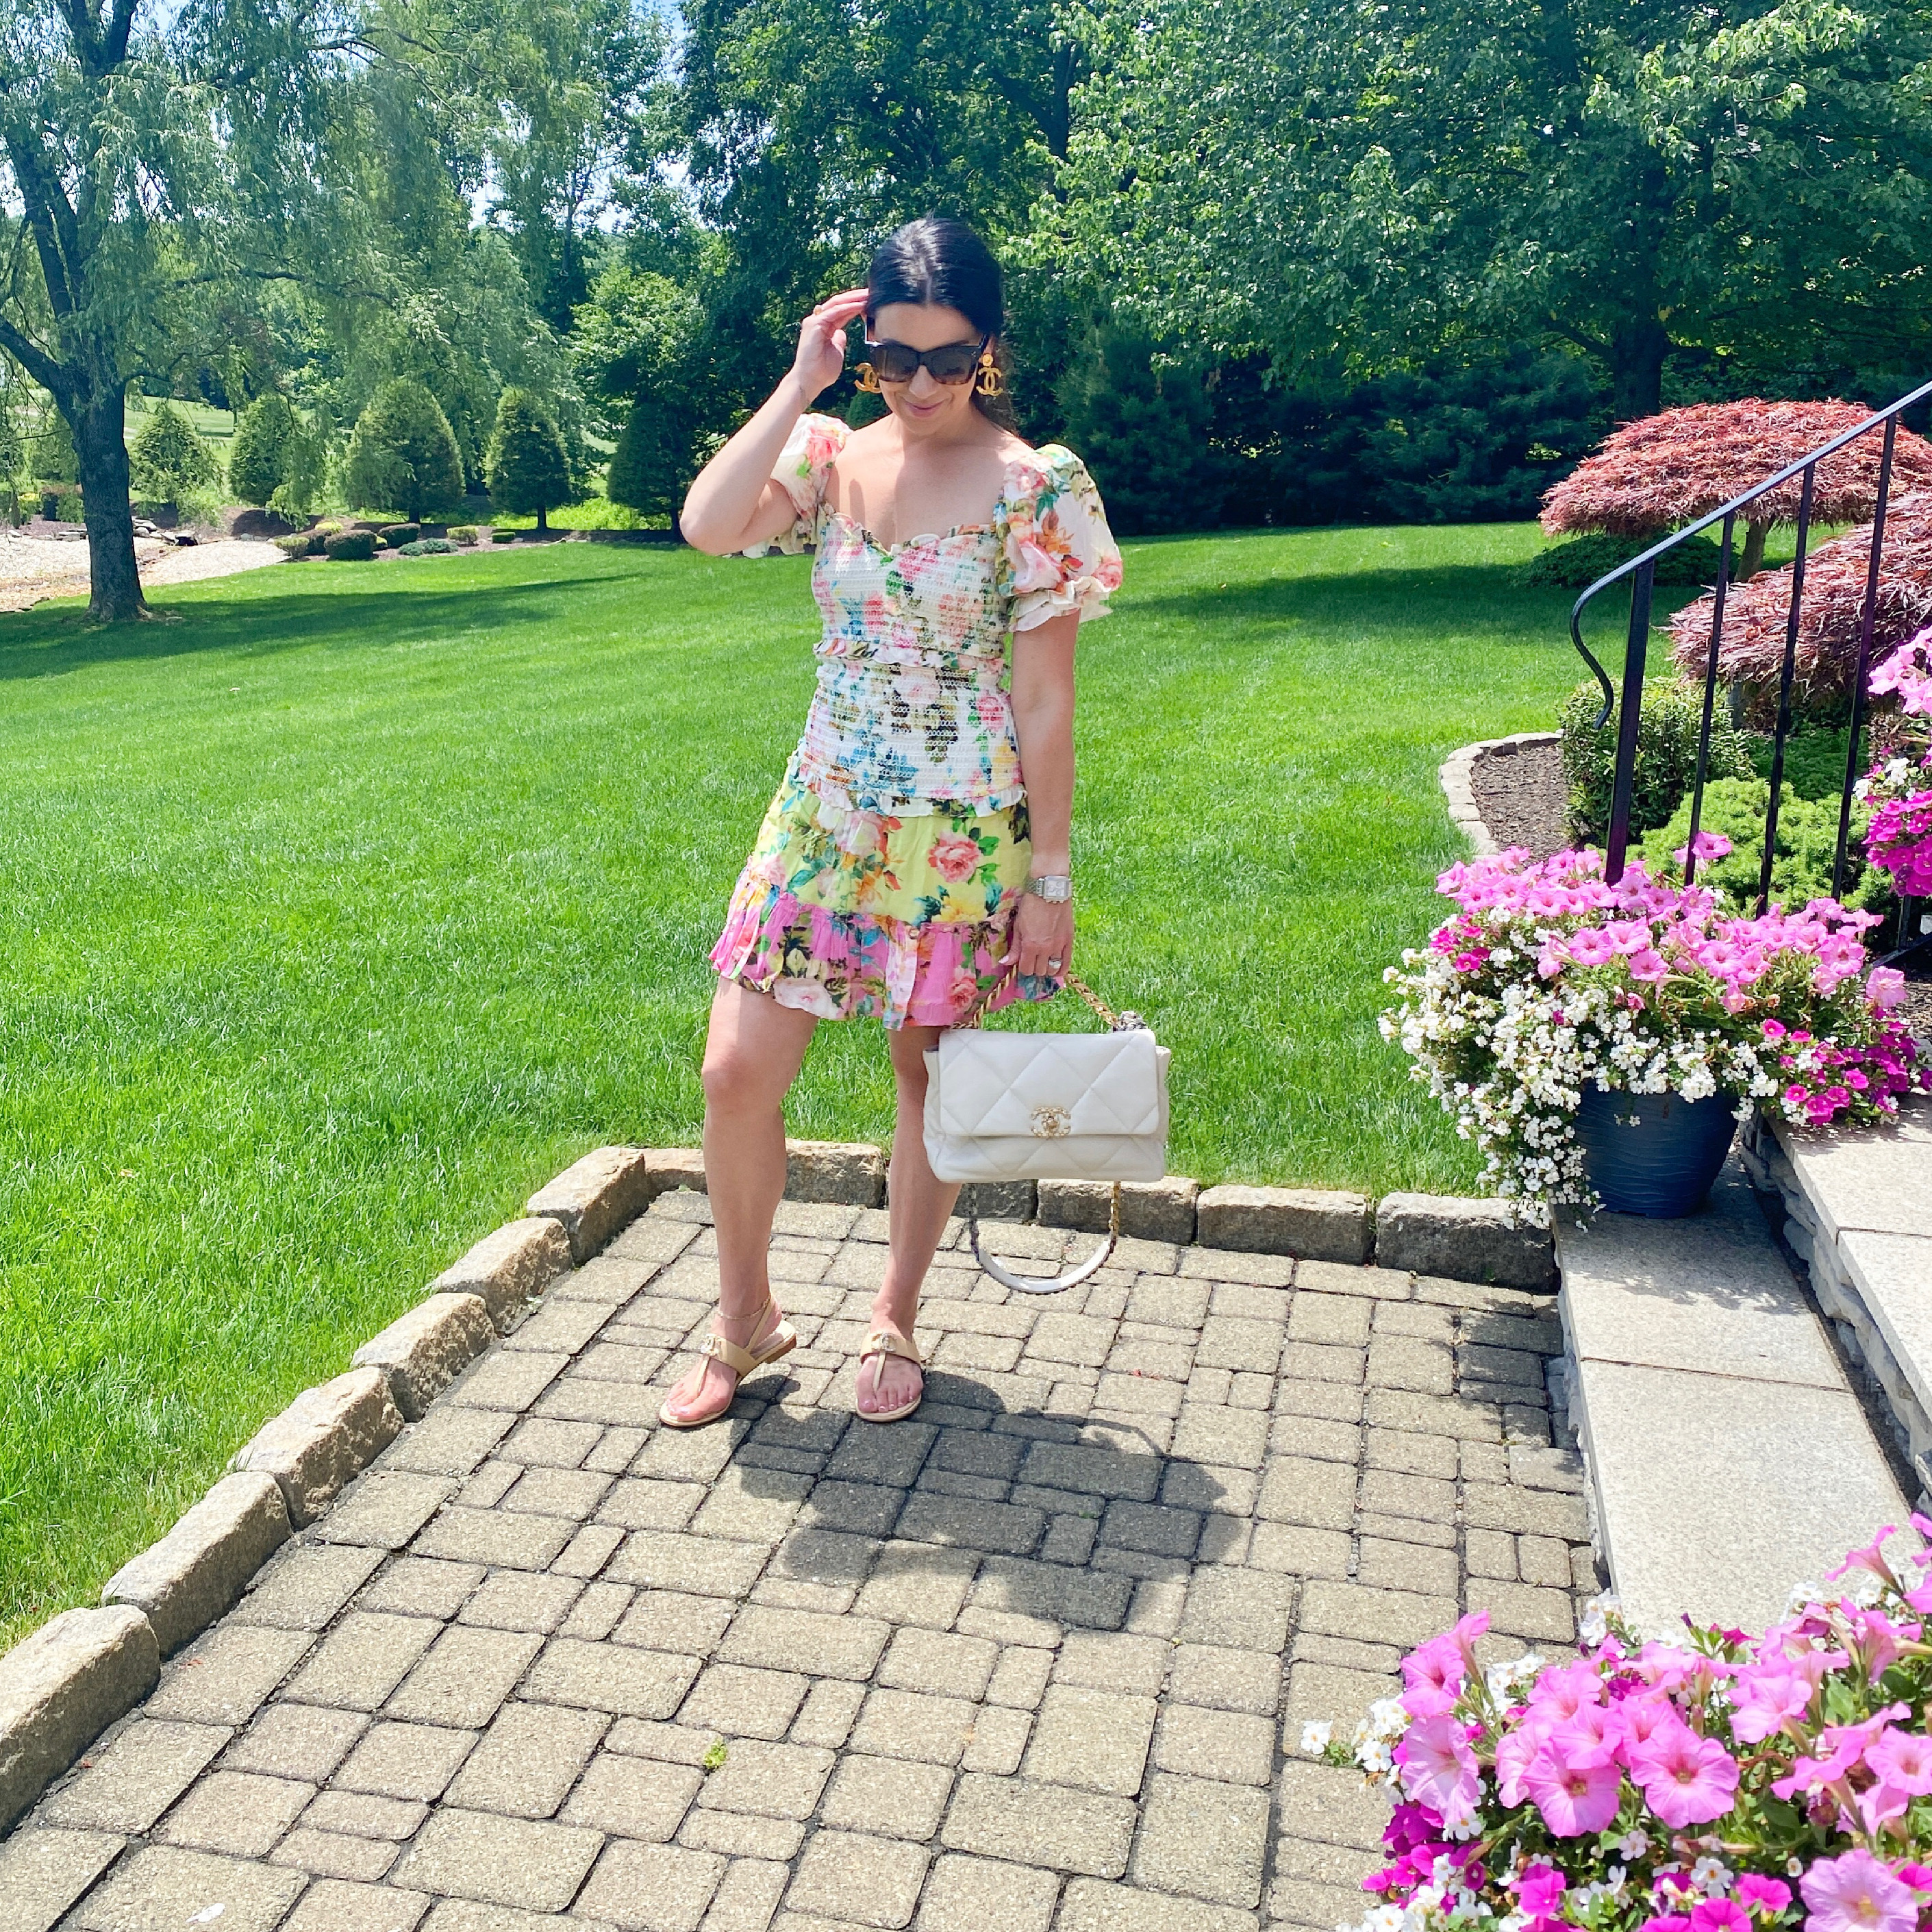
[[821, 341]]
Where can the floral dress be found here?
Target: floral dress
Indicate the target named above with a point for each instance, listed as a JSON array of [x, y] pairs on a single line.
[[890, 864]]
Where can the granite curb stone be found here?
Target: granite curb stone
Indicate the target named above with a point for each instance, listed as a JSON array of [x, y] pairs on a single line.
[[849, 1173], [1150, 1211], [421, 1353], [1469, 1240], [1316, 1224], [327, 1435], [197, 1571], [63, 1686], [596, 1197], [511, 1265]]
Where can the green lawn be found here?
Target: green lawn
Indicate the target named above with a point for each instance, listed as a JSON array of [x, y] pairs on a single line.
[[356, 902]]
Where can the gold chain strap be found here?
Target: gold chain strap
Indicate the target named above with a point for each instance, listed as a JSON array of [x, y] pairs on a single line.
[[1114, 1022]]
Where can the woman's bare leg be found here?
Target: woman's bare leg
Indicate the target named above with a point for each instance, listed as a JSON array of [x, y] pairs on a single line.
[[920, 1204], [752, 1054]]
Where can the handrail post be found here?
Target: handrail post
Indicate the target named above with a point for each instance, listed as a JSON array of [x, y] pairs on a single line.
[[1710, 698], [1866, 619], [1637, 647], [1782, 731]]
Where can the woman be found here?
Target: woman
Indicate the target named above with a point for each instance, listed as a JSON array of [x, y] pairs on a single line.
[[906, 871]]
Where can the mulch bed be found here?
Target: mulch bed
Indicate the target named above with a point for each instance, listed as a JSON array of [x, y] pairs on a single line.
[[1519, 792]]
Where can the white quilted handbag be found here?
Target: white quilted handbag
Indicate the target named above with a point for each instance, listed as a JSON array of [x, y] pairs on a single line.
[[1051, 1106]]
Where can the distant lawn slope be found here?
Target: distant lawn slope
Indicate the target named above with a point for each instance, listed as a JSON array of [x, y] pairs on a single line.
[[350, 906]]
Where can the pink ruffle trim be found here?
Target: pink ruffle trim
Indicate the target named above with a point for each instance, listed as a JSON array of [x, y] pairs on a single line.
[[859, 966]]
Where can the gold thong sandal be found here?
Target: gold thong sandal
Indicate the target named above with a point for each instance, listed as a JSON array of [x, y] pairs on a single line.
[[780, 1341], [881, 1343]]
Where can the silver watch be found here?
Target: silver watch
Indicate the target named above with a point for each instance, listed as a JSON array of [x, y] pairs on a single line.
[[1056, 888]]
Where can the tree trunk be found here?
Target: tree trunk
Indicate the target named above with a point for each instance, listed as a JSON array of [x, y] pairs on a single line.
[[1636, 369], [99, 422], [1752, 562], [543, 521]]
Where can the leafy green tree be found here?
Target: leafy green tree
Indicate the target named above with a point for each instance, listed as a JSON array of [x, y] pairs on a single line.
[[168, 462], [403, 453], [1360, 187], [258, 459], [528, 470], [12, 454]]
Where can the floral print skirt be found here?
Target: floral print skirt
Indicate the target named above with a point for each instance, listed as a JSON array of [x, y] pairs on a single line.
[[859, 915]]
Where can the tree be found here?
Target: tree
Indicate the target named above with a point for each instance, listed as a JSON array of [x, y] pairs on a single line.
[[1750, 651], [13, 455], [1359, 187], [168, 462], [150, 152], [1669, 469], [258, 460], [1142, 430], [403, 453], [528, 470]]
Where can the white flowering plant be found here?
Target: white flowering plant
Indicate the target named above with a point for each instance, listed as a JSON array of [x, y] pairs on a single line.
[[1714, 1783], [1549, 980]]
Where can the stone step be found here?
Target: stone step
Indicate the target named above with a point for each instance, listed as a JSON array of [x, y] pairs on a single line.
[[1858, 1208], [1728, 1454]]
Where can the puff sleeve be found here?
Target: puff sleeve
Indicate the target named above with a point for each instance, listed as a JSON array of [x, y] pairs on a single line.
[[808, 454], [1058, 557]]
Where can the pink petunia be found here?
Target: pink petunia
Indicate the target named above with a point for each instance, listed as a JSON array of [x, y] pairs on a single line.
[[1438, 1768], [1590, 947], [1769, 1896], [1432, 1675], [1648, 964], [1686, 1780], [1856, 1892], [1575, 1783], [1719, 1915], [1904, 1759]]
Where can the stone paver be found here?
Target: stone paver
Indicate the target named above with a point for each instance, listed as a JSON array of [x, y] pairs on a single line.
[[1038, 1659]]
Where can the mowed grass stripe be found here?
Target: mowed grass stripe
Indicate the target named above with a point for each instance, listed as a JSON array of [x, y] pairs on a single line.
[[353, 904]]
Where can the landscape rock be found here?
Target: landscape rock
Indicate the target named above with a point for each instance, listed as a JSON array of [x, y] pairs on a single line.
[[673, 1168], [999, 1200], [61, 1688], [197, 1572], [510, 1267], [1150, 1211], [327, 1435], [422, 1352], [851, 1174], [1466, 1240], [1314, 1224], [594, 1197]]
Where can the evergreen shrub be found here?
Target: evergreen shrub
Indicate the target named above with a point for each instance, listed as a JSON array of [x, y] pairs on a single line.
[[395, 535], [258, 459], [403, 453], [463, 533], [350, 546], [427, 547], [169, 463], [526, 468], [1667, 754], [1577, 562]]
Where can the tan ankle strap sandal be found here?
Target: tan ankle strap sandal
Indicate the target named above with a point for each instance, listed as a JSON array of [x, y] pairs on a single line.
[[881, 1343], [741, 1362]]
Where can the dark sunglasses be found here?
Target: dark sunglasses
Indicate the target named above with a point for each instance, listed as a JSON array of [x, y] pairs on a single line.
[[951, 363]]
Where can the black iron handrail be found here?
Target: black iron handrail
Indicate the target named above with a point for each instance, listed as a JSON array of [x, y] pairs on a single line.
[[1641, 571]]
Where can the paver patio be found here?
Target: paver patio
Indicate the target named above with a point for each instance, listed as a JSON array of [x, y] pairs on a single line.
[[1038, 1658]]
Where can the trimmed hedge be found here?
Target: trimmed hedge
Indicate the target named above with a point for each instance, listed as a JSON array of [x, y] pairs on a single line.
[[350, 546], [427, 547], [396, 535]]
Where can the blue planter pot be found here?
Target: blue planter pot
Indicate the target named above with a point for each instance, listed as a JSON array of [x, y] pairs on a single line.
[[1654, 1154]]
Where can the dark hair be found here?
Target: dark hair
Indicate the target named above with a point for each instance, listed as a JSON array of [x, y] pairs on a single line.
[[936, 262]]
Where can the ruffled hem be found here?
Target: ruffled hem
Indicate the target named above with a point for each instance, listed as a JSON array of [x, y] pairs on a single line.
[[844, 966], [1083, 597]]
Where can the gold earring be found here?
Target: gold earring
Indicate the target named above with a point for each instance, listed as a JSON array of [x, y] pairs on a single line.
[[866, 377], [989, 381]]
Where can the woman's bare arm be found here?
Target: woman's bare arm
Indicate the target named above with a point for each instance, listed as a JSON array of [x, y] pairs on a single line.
[[735, 501], [1042, 702]]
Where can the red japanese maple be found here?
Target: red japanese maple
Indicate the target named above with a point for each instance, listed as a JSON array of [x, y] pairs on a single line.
[[1666, 470]]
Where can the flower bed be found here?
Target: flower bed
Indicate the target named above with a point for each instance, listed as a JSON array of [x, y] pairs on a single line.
[[1715, 1783], [1549, 979], [1898, 787]]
